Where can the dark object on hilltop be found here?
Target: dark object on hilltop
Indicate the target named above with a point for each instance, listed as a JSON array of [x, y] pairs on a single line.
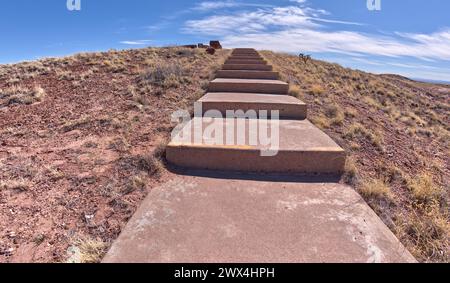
[[193, 46], [210, 51], [304, 58], [215, 44], [201, 45]]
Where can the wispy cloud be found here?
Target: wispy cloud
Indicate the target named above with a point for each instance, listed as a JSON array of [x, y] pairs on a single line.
[[299, 28], [136, 42], [214, 5]]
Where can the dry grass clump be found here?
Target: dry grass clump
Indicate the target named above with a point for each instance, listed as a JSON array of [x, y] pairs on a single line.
[[358, 130], [21, 95], [426, 235], [294, 90], [350, 171], [153, 163], [316, 90], [321, 121], [163, 74], [91, 251], [424, 190], [425, 227], [15, 185], [335, 113], [375, 189]]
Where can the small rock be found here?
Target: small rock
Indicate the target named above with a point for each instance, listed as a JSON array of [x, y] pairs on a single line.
[[215, 44], [210, 51]]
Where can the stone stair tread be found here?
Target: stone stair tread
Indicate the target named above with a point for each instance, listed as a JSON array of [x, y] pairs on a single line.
[[250, 98], [288, 107], [294, 135], [303, 148], [248, 85], [261, 67], [245, 57], [248, 81], [247, 74], [244, 61]]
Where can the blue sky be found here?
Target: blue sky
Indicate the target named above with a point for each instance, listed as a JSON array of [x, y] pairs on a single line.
[[408, 37]]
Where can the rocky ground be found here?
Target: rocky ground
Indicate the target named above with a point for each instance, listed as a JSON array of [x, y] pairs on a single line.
[[80, 145], [396, 132], [81, 142]]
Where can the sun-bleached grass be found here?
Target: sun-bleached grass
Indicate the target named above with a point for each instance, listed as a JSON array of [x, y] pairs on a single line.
[[21, 95]]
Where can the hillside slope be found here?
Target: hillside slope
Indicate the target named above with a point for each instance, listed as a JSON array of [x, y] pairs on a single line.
[[81, 140], [76, 142], [396, 132]]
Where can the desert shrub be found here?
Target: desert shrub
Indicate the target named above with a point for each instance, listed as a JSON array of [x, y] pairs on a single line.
[[350, 171], [162, 74], [21, 95], [335, 113], [358, 130], [91, 251], [316, 90], [375, 189], [294, 90], [424, 190], [425, 234]]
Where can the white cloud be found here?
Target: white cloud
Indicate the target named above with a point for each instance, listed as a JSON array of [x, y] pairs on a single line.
[[250, 22], [346, 42], [301, 29], [214, 5], [136, 42]]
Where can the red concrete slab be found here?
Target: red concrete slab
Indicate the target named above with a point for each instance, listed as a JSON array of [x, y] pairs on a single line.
[[245, 57], [248, 85], [288, 107], [295, 146], [258, 67], [232, 220], [244, 61], [247, 74], [244, 53]]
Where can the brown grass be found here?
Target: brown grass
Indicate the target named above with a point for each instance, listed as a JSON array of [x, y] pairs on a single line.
[[90, 151], [376, 189], [91, 251], [20, 95], [396, 133]]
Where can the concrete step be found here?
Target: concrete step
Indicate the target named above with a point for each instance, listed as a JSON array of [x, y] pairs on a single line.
[[246, 54], [224, 218], [300, 146], [254, 58], [244, 49], [244, 61], [257, 67], [245, 58], [253, 54], [252, 86], [238, 74], [252, 103]]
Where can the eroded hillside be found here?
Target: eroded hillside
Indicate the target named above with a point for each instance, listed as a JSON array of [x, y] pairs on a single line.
[[81, 140], [396, 132], [76, 142]]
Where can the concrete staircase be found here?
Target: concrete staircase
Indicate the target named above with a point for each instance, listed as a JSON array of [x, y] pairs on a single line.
[[302, 147], [222, 216]]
